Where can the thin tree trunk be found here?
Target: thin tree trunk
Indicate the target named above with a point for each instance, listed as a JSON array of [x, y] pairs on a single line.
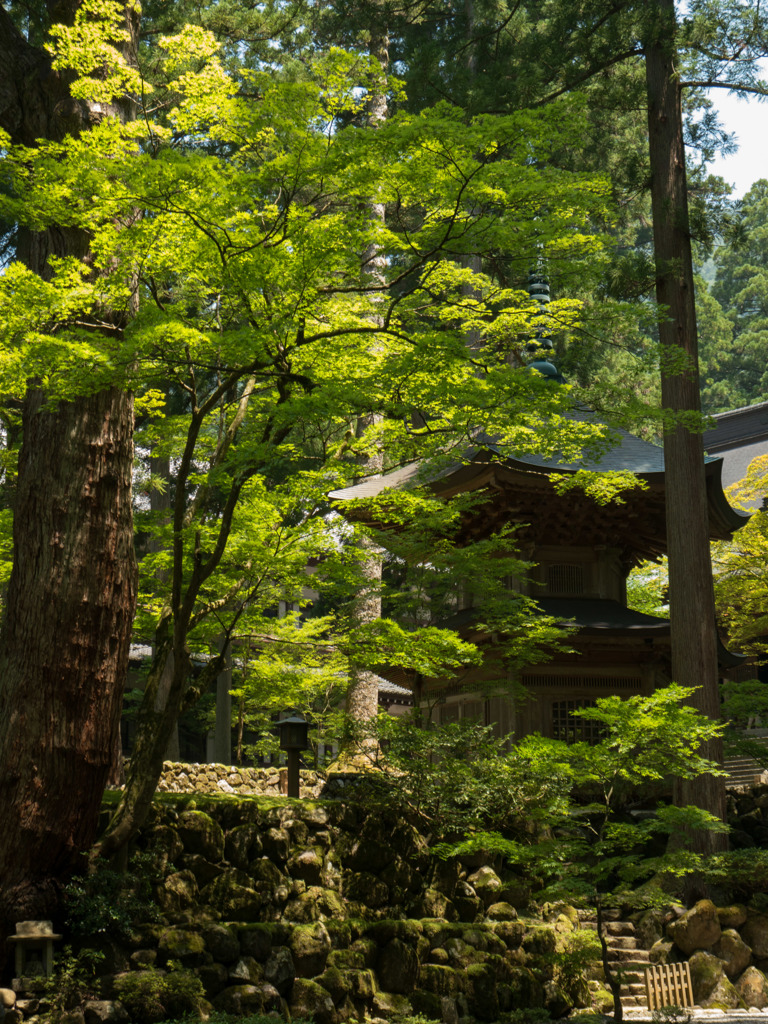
[[692, 605], [362, 702]]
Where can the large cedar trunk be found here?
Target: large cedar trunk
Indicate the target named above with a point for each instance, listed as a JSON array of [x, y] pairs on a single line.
[[71, 597], [692, 604]]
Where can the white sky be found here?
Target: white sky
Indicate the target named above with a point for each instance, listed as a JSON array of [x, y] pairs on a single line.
[[748, 118]]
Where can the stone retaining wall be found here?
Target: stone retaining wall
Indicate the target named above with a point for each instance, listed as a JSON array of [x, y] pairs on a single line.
[[178, 777]]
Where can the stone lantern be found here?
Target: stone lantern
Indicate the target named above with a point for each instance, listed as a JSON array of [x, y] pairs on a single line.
[[34, 948], [293, 739]]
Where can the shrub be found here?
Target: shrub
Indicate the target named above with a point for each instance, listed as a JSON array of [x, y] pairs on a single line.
[[152, 995]]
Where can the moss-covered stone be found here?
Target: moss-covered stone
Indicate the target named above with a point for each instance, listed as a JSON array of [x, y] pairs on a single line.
[[255, 940], [487, 885], [368, 949], [752, 988], [755, 934], [732, 916], [540, 939], [707, 973], [434, 903], [306, 865], [510, 932], [178, 893], [346, 959], [315, 904], [365, 888], [383, 932], [231, 900], [735, 953], [239, 1000], [482, 997], [557, 1002], [397, 967], [334, 981], [501, 912], [280, 970], [276, 844], [221, 942], [524, 989], [310, 945], [441, 979], [201, 834], [311, 1001], [263, 870], [242, 844], [247, 971], [390, 1004], [180, 944], [697, 928]]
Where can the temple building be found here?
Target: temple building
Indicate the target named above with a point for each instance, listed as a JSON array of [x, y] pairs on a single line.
[[583, 553]]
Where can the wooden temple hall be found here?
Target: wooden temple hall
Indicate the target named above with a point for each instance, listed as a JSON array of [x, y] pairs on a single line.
[[583, 553]]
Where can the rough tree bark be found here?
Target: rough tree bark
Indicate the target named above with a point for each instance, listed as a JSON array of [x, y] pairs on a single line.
[[66, 631], [362, 703], [692, 603]]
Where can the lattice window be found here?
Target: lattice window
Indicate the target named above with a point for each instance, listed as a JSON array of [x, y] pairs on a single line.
[[571, 728], [603, 682], [565, 579]]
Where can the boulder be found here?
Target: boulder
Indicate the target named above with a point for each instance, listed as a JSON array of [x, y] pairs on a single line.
[[201, 834], [246, 971], [280, 969], [733, 916], [755, 934], [255, 940], [540, 939], [214, 978], [487, 885], [391, 1004], [433, 903], [397, 967], [649, 927], [316, 904], [363, 887], [707, 978], [482, 996], [180, 944], [104, 1011], [263, 870], [221, 942], [664, 952], [311, 1001], [697, 928], [204, 870], [276, 844], [239, 1000], [735, 953], [556, 1001], [242, 845], [440, 979], [232, 900], [306, 865], [7, 998], [510, 932], [506, 912], [752, 987], [310, 946], [179, 893]]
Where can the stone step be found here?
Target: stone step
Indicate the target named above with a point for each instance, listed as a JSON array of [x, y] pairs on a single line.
[[634, 988], [637, 957], [621, 941], [619, 928], [633, 1001]]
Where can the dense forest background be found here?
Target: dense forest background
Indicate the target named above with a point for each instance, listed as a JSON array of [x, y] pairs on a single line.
[[255, 252]]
